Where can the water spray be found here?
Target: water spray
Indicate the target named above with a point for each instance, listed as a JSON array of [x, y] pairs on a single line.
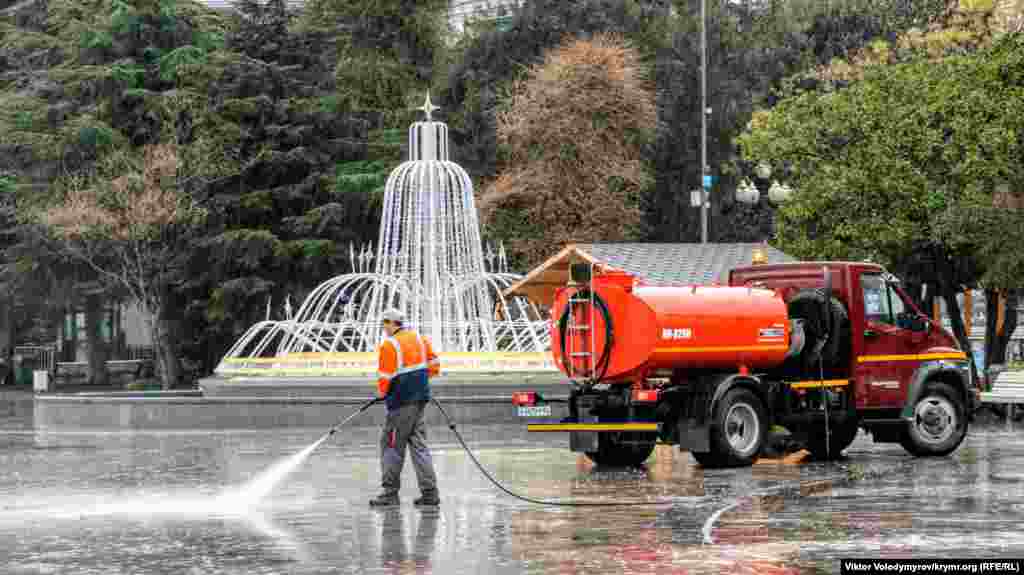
[[260, 486]]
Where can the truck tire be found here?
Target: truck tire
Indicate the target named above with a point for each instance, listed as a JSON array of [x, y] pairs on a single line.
[[739, 428], [808, 305], [842, 436], [614, 451], [940, 422]]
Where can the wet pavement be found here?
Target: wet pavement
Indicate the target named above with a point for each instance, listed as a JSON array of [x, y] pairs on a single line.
[[121, 500]]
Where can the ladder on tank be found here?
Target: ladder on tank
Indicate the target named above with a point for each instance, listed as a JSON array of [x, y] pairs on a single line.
[[574, 326]]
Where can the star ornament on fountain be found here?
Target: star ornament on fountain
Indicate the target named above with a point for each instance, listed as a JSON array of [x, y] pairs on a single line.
[[428, 107]]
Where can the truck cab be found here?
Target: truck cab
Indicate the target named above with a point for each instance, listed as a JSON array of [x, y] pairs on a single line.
[[894, 348]]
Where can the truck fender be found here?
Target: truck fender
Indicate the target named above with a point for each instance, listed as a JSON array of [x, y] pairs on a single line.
[[751, 382], [957, 373]]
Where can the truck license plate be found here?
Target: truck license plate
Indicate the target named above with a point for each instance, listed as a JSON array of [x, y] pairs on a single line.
[[534, 411]]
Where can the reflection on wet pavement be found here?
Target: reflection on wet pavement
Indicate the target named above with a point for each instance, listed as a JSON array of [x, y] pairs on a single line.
[[132, 501]]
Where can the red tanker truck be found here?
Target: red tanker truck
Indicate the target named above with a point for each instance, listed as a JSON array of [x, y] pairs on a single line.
[[820, 348]]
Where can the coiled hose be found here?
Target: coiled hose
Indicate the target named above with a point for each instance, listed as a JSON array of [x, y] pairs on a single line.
[[601, 366]]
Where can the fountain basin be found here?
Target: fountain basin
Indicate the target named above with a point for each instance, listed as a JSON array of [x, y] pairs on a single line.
[[292, 401]]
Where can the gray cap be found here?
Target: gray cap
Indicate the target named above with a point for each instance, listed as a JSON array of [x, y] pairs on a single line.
[[393, 314]]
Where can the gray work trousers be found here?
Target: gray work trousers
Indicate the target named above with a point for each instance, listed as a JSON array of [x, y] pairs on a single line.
[[404, 427]]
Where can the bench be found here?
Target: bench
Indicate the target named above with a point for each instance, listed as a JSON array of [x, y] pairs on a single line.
[[1008, 388], [73, 371]]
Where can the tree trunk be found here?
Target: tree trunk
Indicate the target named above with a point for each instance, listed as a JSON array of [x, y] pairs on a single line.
[[956, 320], [996, 343], [6, 341], [97, 347], [165, 349]]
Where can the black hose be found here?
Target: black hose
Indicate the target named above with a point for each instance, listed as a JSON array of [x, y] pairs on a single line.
[[458, 436], [451, 425], [601, 366]]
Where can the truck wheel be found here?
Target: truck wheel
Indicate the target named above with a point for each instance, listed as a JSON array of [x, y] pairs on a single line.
[[841, 437], [738, 430], [614, 451], [940, 422]]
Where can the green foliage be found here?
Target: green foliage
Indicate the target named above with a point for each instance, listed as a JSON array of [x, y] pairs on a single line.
[[86, 138], [7, 185], [22, 47], [248, 249], [332, 103], [209, 41], [128, 74], [23, 121], [230, 300], [124, 19], [907, 158], [510, 222], [362, 177], [387, 52], [96, 40], [95, 138], [260, 201], [173, 63], [308, 249]]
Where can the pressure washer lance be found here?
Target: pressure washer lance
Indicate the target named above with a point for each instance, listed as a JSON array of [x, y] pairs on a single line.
[[361, 409]]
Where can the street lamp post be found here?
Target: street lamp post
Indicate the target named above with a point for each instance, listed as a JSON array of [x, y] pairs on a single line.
[[705, 199]]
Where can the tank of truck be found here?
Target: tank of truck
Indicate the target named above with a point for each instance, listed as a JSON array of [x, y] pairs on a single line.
[[624, 328]]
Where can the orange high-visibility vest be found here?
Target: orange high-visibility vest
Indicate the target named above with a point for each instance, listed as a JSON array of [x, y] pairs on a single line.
[[405, 352]]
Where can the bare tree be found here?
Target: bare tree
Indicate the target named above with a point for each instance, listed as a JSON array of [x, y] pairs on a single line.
[[130, 230]]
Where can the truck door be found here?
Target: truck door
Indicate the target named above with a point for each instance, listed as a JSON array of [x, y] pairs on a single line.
[[889, 353]]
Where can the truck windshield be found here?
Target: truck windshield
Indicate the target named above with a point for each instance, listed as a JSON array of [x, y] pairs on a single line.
[[881, 303]]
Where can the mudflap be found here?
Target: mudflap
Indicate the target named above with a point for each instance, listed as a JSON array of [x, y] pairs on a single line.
[[583, 441], [694, 435], [695, 418]]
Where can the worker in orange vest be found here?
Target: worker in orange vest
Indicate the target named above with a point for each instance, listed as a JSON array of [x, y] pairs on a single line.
[[406, 362]]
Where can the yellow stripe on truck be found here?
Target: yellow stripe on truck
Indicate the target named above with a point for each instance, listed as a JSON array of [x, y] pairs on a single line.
[[721, 348], [912, 357], [822, 383], [592, 427]]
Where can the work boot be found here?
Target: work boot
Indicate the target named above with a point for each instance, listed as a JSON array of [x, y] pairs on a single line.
[[427, 501], [384, 500]]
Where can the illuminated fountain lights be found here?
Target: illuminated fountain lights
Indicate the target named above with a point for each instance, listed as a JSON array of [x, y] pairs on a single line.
[[429, 262]]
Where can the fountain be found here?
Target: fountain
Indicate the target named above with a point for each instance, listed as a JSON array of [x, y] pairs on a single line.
[[431, 263]]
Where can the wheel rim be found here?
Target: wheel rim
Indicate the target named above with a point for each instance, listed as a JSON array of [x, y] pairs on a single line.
[[742, 428], [935, 419]]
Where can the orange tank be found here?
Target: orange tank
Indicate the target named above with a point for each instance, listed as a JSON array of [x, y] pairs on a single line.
[[663, 328]]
